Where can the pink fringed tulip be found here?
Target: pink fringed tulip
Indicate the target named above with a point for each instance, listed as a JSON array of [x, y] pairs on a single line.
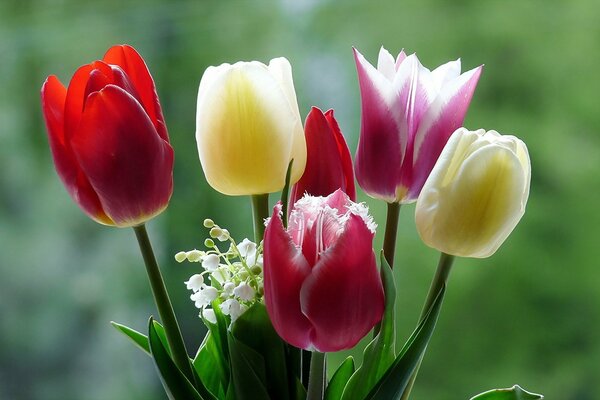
[[408, 114], [322, 288], [109, 140], [328, 161]]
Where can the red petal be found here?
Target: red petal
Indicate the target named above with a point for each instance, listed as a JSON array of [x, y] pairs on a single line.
[[134, 66], [76, 95], [285, 268], [343, 296], [126, 161], [53, 105], [326, 167], [346, 159]]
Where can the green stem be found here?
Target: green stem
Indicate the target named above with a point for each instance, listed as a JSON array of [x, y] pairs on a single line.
[[316, 381], [440, 279], [260, 211], [389, 241], [163, 303], [391, 231]]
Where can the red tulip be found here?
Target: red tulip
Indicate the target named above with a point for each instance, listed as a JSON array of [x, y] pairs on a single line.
[[328, 161], [322, 287], [109, 140]]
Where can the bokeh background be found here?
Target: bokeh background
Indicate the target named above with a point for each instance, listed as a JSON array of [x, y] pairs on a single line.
[[528, 315]]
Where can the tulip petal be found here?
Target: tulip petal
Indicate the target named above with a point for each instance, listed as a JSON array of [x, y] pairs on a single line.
[[326, 164], [343, 296], [444, 116], [285, 268], [53, 106], [244, 98], [135, 67], [386, 64], [380, 147], [344, 152], [76, 97], [127, 162]]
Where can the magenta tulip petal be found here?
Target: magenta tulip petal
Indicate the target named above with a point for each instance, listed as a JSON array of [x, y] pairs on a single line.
[[53, 105], [346, 160], [285, 270], [328, 161], [444, 116], [126, 162], [134, 66], [343, 296], [380, 147]]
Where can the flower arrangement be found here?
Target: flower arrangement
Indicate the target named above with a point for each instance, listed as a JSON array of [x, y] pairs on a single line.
[[309, 283]]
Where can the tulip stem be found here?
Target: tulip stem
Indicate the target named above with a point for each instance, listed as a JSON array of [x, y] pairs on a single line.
[[439, 280], [316, 380], [391, 230], [260, 211], [163, 304]]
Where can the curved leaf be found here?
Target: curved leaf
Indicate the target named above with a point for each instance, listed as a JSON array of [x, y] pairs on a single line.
[[513, 393], [339, 380]]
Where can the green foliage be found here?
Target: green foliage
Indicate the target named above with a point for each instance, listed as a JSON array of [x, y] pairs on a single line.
[[340, 379], [513, 393]]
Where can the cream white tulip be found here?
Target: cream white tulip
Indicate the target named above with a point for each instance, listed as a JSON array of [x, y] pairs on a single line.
[[248, 127], [476, 193]]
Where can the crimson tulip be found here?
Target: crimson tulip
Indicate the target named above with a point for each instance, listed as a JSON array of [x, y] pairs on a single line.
[[108, 139], [322, 288], [408, 114], [328, 161]]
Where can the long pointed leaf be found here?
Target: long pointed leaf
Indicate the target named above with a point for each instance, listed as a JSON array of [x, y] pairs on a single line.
[[380, 353], [340, 378], [177, 386], [513, 393], [393, 383], [139, 339]]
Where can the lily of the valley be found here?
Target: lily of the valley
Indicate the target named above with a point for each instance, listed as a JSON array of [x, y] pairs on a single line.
[[248, 127], [476, 193], [408, 114], [321, 284]]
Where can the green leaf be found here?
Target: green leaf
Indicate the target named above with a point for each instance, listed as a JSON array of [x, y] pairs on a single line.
[[339, 380], [247, 372], [393, 383], [212, 359], [177, 386], [513, 393], [139, 339], [254, 329], [285, 192], [380, 353]]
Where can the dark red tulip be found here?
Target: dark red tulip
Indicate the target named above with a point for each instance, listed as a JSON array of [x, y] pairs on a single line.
[[328, 160], [322, 287], [108, 139]]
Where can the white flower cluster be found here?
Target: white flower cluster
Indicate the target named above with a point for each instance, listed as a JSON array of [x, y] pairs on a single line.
[[230, 280]]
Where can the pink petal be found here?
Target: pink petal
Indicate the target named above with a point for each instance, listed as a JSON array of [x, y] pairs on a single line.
[[53, 106], [284, 271], [127, 163], [134, 66], [343, 296], [444, 116], [380, 146]]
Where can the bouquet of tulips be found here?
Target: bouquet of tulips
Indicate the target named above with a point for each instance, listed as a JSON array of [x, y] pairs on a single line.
[[309, 282]]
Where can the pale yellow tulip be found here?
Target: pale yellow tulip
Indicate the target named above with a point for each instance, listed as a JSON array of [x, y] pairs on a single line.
[[475, 195], [248, 127]]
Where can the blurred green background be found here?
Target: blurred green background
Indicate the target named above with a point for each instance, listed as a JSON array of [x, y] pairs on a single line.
[[528, 315]]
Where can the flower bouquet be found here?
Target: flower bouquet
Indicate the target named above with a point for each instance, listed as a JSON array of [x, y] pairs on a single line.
[[309, 282]]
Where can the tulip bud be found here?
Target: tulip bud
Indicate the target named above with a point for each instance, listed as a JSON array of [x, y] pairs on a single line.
[[328, 161], [322, 287], [108, 139], [475, 195], [408, 114], [248, 127]]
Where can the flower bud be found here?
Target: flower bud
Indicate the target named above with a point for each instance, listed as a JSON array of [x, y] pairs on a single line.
[[248, 127], [475, 195]]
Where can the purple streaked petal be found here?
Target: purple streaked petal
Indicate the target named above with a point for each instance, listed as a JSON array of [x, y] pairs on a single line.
[[445, 115]]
